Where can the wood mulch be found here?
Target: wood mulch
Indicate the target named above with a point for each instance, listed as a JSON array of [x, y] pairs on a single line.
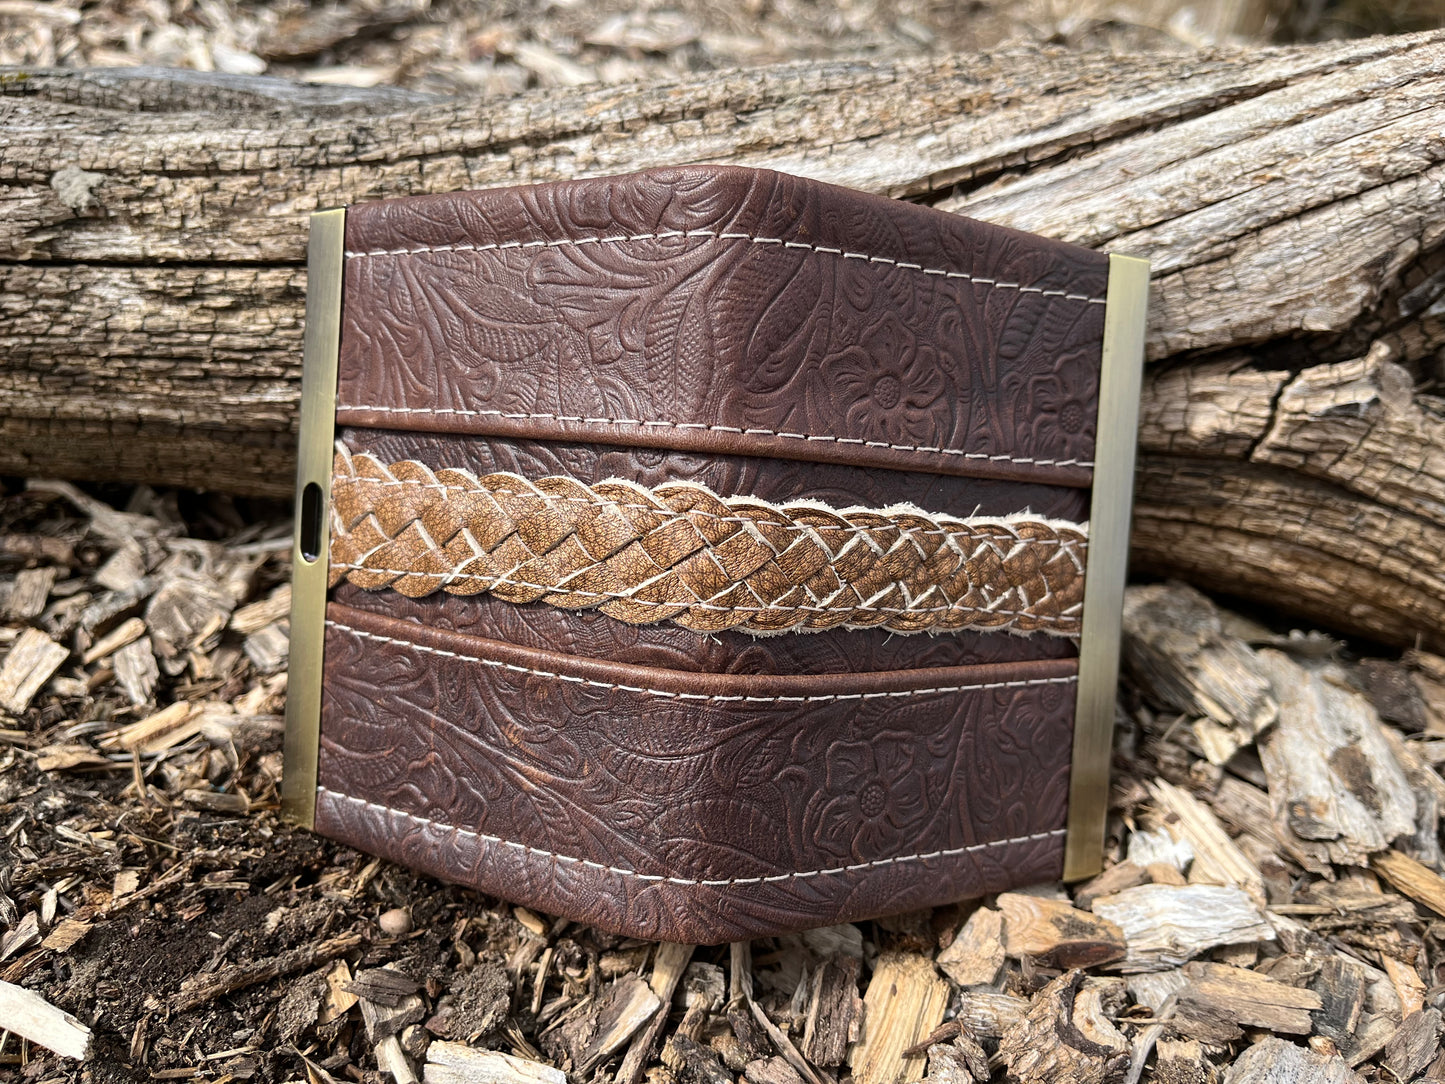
[[1272, 907]]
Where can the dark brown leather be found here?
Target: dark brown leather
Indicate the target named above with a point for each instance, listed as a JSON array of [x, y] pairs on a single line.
[[653, 780], [794, 319], [697, 808]]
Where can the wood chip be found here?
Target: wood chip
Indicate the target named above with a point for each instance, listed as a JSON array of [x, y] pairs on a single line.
[[1414, 1045], [201, 988], [136, 671], [774, 1070], [904, 1002], [1419, 882], [22, 936], [185, 611], [1065, 1035], [628, 1004], [1341, 987], [339, 998], [123, 568], [269, 648], [28, 665], [1217, 858], [1114, 879], [383, 986], [835, 1011], [668, 965], [1175, 644], [67, 935], [156, 733], [30, 1016], [1239, 996], [1165, 925], [975, 955], [1275, 1061], [1057, 934], [216, 801], [457, 1063], [73, 755], [29, 593], [1182, 1061], [256, 616], [128, 631], [1332, 775]]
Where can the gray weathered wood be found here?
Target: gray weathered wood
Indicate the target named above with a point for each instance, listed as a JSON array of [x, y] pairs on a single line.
[[151, 247]]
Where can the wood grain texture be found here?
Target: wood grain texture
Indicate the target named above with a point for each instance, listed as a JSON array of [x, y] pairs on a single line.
[[151, 248]]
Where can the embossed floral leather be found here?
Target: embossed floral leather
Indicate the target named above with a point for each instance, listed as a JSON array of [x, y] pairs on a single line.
[[596, 437]]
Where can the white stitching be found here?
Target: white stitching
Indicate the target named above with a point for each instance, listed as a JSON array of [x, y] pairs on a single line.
[[749, 432], [562, 589], [499, 665], [566, 859], [713, 235]]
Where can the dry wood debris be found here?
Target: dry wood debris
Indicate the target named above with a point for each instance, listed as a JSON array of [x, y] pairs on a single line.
[[1263, 915]]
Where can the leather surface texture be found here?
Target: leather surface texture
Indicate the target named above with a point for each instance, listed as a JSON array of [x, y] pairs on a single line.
[[695, 808], [769, 339]]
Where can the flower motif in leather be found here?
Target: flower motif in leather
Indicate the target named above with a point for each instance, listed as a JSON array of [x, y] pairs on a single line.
[[872, 801], [892, 385]]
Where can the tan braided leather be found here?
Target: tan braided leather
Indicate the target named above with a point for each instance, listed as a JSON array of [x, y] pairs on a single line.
[[679, 552]]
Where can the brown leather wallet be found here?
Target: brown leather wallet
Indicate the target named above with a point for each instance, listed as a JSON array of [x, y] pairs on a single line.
[[708, 553]]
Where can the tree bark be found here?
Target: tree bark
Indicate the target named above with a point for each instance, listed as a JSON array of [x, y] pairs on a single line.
[[152, 264]]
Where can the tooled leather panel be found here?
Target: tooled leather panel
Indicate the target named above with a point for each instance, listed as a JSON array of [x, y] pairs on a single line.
[[691, 914], [778, 316], [623, 775], [590, 635]]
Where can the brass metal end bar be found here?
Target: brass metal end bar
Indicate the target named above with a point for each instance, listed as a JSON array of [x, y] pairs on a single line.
[[1113, 492], [310, 545]]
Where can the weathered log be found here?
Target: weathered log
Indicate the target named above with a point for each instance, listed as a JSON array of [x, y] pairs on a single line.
[[151, 278]]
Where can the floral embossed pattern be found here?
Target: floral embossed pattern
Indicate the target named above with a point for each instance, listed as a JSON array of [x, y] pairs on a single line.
[[766, 337], [717, 309], [751, 779]]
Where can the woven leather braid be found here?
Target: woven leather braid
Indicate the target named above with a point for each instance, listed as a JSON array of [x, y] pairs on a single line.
[[679, 552]]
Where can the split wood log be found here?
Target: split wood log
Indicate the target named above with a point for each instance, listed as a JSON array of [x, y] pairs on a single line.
[[151, 251]]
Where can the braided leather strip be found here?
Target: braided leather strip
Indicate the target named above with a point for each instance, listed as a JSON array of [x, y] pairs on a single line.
[[680, 552]]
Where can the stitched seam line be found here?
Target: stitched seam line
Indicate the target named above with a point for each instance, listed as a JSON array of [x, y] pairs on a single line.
[[713, 235], [749, 432], [553, 589], [826, 698], [362, 481], [565, 859]]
